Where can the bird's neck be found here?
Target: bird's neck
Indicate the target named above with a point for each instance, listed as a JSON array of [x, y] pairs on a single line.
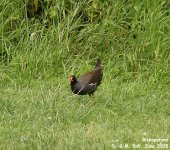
[[73, 82], [74, 85]]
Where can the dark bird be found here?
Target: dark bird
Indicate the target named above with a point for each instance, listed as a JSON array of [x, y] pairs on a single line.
[[87, 83]]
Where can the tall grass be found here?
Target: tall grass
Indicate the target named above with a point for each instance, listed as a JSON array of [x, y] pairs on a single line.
[[135, 34]]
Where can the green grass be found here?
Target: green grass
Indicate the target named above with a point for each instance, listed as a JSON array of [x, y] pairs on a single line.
[[47, 116], [37, 107]]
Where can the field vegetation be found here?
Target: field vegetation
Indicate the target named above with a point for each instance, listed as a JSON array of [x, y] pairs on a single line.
[[44, 43]]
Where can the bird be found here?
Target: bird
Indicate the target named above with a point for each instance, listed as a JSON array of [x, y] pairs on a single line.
[[87, 83]]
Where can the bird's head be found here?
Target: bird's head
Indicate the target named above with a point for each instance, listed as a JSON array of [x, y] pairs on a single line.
[[72, 79]]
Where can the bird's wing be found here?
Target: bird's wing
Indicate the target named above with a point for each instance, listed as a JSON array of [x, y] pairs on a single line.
[[97, 76], [93, 77], [85, 79]]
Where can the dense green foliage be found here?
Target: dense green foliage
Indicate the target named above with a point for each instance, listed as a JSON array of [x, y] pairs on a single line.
[[38, 53]]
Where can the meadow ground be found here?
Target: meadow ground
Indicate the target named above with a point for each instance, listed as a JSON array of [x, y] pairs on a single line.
[[37, 107], [47, 116]]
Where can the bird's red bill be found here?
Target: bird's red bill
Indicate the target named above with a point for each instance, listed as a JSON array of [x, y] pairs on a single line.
[[71, 79]]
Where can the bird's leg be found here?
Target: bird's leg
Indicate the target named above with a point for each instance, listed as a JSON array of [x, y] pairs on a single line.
[[91, 95], [91, 98]]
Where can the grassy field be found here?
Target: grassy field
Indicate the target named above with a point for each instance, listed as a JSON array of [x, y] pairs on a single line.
[[37, 56]]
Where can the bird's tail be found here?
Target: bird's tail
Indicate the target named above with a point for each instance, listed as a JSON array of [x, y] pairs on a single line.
[[98, 64]]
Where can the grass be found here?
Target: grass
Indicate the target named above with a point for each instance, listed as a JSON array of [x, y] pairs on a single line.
[[47, 116], [37, 107]]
